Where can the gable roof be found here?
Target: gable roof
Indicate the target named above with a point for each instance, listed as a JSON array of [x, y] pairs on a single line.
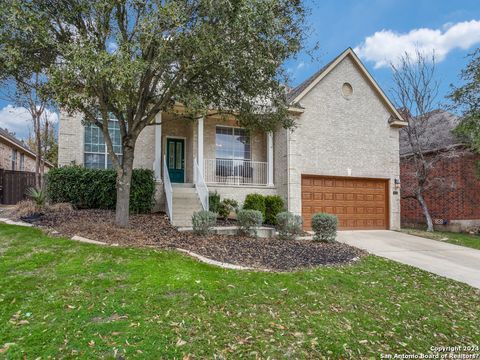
[[12, 140], [296, 94], [436, 136]]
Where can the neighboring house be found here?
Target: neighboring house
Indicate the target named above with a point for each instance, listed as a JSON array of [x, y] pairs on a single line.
[[453, 196], [16, 155], [342, 157]]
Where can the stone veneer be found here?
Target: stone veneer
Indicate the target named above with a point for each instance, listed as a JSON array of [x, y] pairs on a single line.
[[341, 136]]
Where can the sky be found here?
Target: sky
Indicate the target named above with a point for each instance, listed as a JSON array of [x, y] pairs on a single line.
[[378, 30], [381, 30]]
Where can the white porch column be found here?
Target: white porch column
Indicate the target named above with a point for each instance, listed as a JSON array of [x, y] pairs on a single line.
[[200, 144], [158, 146], [270, 158]]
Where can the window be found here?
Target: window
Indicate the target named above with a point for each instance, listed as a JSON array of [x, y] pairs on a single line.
[[232, 143], [95, 149], [347, 90], [14, 159], [22, 162]]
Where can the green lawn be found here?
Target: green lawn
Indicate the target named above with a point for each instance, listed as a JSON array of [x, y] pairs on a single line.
[[472, 241], [63, 299]]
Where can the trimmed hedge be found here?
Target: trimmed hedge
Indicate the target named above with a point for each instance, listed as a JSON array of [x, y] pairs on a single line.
[[255, 202], [270, 206], [325, 227], [96, 188], [214, 201], [273, 206]]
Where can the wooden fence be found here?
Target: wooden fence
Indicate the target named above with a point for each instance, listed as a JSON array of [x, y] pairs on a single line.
[[14, 184]]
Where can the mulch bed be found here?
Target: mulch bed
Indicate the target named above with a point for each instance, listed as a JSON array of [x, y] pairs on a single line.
[[155, 230]]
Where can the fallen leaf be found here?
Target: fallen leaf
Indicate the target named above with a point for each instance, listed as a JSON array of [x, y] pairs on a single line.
[[181, 342]]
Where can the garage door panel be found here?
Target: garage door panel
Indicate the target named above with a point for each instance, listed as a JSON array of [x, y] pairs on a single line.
[[360, 216], [357, 203], [345, 203], [339, 190]]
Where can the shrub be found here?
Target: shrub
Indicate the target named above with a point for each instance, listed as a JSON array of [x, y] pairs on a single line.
[[25, 208], [203, 222], [249, 221], [96, 188], [255, 202], [39, 197], [325, 227], [273, 206], [289, 225], [226, 207], [214, 201], [142, 191]]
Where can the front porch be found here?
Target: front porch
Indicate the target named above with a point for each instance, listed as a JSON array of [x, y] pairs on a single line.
[[210, 154]]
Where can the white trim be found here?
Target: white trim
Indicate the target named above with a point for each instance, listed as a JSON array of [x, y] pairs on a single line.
[[184, 153], [157, 166], [243, 186], [270, 158], [200, 126], [356, 60]]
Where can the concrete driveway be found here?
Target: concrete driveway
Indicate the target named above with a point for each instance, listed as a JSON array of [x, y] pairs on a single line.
[[451, 261]]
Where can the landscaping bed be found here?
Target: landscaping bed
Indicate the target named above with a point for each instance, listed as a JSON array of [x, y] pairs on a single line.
[[155, 230]]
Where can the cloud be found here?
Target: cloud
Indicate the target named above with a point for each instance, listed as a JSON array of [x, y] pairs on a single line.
[[300, 65], [386, 46], [19, 121]]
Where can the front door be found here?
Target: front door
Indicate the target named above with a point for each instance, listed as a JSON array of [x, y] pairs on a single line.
[[176, 160]]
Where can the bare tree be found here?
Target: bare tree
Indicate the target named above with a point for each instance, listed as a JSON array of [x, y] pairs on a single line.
[[415, 92], [48, 141], [26, 93]]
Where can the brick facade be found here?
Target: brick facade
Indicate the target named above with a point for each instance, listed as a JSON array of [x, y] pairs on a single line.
[[454, 195], [338, 136], [6, 157]]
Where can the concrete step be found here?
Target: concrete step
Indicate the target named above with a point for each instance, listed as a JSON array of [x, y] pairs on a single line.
[[181, 190], [185, 196], [182, 185], [185, 203]]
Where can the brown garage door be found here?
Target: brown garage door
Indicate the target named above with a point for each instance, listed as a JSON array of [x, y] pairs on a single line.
[[358, 203]]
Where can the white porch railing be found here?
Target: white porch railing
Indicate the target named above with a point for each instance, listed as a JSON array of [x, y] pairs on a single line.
[[168, 189], [236, 172], [200, 185]]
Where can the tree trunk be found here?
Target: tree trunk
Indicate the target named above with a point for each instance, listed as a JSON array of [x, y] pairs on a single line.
[[43, 152], [124, 179], [38, 150], [425, 211]]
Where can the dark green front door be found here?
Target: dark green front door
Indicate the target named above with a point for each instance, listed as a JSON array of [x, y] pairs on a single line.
[[176, 160]]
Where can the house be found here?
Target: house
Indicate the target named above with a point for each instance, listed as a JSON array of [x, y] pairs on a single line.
[[342, 157], [453, 194], [16, 155]]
